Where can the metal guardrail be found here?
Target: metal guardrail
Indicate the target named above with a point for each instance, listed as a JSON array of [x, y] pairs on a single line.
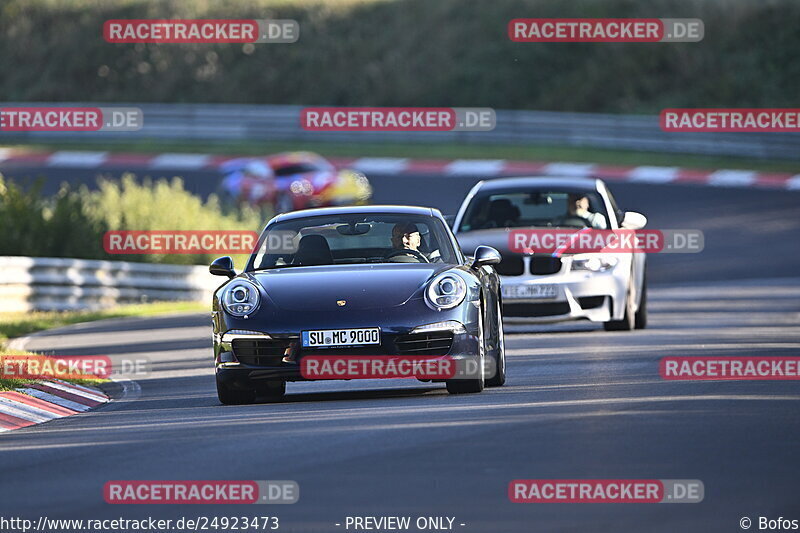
[[231, 123], [56, 284]]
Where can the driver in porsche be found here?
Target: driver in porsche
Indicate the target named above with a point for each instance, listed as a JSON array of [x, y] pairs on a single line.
[[406, 236]]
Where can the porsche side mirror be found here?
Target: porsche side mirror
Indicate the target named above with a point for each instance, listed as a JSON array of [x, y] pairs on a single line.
[[485, 255], [633, 220], [222, 266]]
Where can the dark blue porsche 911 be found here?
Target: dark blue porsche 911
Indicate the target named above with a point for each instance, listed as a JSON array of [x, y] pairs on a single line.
[[380, 281]]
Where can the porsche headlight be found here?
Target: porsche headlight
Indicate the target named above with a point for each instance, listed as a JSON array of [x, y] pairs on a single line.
[[240, 298], [449, 325], [446, 291], [593, 263]]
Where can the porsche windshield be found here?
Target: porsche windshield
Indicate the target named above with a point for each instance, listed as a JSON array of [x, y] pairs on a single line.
[[342, 239], [517, 209]]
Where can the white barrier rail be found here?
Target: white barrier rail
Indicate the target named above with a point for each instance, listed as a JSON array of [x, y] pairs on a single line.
[[56, 284], [232, 123]]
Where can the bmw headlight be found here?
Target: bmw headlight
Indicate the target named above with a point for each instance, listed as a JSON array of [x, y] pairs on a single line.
[[240, 298], [593, 263], [446, 291]]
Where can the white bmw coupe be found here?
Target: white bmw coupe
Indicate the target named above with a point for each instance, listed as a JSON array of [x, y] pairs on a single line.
[[601, 286]]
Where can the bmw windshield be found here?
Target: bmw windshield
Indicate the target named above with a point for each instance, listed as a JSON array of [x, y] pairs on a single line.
[[543, 208]]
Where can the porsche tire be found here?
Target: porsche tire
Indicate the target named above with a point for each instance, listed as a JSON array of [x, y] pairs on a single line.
[[465, 386], [499, 377], [470, 386]]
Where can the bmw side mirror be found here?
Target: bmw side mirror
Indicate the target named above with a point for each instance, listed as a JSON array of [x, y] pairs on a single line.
[[633, 220], [222, 266], [485, 255]]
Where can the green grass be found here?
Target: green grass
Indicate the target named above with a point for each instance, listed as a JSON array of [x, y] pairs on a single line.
[[19, 324], [444, 151], [15, 383]]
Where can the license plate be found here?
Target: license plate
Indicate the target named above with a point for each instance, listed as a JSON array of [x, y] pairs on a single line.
[[327, 338], [528, 291]]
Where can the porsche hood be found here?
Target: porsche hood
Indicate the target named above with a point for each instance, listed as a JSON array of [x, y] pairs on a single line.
[[375, 286]]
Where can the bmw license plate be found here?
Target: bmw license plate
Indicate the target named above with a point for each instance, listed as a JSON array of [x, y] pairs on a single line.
[[528, 291], [329, 338]]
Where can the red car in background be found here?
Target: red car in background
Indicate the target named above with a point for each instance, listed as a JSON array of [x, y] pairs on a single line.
[[292, 180]]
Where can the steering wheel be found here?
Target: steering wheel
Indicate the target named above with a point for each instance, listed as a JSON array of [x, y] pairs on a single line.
[[407, 251], [574, 221]]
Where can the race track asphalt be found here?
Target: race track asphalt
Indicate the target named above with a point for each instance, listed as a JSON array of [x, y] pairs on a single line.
[[579, 402]]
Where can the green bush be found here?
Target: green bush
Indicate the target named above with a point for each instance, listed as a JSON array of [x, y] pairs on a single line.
[[22, 221], [410, 52], [72, 222]]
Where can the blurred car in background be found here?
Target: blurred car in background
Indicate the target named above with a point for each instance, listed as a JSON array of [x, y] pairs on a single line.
[[292, 180], [539, 287]]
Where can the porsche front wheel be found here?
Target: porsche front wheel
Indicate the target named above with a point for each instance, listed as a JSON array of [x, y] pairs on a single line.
[[467, 386], [498, 379]]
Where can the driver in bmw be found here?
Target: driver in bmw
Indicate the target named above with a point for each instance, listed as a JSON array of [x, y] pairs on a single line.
[[406, 236], [578, 207]]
